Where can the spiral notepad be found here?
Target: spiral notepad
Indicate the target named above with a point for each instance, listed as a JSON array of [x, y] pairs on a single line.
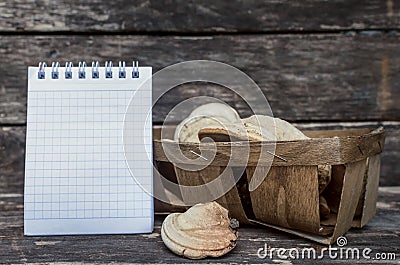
[[76, 178]]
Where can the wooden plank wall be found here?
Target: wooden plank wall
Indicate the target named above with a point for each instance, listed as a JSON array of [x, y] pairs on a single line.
[[321, 64]]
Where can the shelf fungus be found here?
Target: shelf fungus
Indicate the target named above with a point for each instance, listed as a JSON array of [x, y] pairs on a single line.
[[208, 115], [204, 230]]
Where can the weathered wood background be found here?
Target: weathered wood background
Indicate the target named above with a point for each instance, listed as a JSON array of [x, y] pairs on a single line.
[[321, 64]]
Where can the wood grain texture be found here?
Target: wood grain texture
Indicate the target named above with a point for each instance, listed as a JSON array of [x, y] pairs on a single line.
[[196, 16], [288, 197], [328, 148], [381, 235], [230, 200], [313, 77], [12, 159], [371, 190], [389, 157], [351, 191], [194, 178]]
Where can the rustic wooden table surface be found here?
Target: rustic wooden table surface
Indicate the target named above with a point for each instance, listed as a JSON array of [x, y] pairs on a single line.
[[321, 64], [381, 235]]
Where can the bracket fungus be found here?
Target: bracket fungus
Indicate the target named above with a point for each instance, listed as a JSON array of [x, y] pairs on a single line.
[[204, 230]]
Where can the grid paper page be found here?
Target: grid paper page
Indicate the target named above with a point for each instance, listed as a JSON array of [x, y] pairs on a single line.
[[76, 178]]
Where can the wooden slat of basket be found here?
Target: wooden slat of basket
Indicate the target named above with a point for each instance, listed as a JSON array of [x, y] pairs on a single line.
[[194, 178], [230, 200], [315, 151], [337, 133], [352, 187], [287, 197], [371, 190]]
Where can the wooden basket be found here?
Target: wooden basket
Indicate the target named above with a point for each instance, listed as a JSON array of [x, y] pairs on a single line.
[[288, 197]]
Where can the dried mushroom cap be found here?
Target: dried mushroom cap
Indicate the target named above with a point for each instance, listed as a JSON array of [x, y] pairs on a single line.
[[255, 128], [324, 176], [205, 116], [187, 131], [216, 109], [225, 135], [270, 129], [202, 231]]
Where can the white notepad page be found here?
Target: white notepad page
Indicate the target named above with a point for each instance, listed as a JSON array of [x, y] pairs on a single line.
[[76, 178]]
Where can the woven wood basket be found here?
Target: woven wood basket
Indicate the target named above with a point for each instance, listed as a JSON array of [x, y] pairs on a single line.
[[288, 197]]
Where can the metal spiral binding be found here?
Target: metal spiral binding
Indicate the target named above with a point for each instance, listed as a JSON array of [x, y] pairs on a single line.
[[121, 70], [68, 70], [41, 72], [95, 70], [54, 70], [108, 68], [81, 70], [135, 69], [55, 73]]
